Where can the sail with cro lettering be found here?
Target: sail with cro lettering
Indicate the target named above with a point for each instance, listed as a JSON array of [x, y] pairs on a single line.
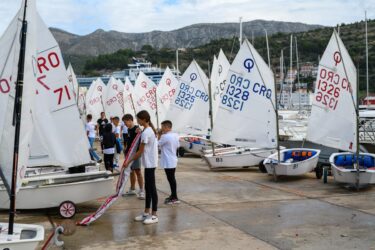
[[189, 108], [246, 114], [333, 116], [165, 91]]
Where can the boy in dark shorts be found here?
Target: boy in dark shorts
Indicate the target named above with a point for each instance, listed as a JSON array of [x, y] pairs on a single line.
[[136, 173]]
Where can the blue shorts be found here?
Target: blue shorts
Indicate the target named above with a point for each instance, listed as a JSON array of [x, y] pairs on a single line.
[[136, 164]]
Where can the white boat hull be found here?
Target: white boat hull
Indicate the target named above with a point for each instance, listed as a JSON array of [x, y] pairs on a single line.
[[194, 144], [16, 242], [291, 168], [50, 195], [238, 158], [350, 176]]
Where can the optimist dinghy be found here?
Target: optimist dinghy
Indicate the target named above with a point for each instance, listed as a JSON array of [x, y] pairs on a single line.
[[345, 171], [17, 56], [58, 143], [334, 120], [294, 161]]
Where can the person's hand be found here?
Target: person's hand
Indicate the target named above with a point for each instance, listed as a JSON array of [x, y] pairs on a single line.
[[138, 130], [125, 164]]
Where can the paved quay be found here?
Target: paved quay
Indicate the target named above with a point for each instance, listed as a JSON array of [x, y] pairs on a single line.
[[236, 209]]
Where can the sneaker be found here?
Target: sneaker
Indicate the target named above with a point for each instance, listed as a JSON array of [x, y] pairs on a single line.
[[99, 161], [173, 201], [151, 220], [141, 195], [141, 217], [167, 200], [130, 192]]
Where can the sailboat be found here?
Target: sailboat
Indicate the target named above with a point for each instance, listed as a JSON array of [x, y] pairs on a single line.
[[114, 101], [335, 112], [95, 98], [245, 116], [129, 107], [165, 92], [144, 97], [189, 110], [73, 82], [59, 162], [16, 62]]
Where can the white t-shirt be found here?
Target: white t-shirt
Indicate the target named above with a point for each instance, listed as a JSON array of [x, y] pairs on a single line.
[[90, 127], [117, 130], [150, 154], [109, 151], [169, 143], [124, 128]]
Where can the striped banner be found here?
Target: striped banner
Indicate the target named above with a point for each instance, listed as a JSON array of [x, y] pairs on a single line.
[[122, 180]]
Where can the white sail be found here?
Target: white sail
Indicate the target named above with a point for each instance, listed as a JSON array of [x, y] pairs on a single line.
[[246, 115], [189, 108], [57, 120], [81, 102], [166, 90], [218, 80], [333, 118], [9, 57], [73, 81], [113, 102], [95, 99], [129, 107], [145, 96]]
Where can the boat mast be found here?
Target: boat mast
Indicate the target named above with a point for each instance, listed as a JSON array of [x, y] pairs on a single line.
[[290, 71], [210, 107], [17, 120], [268, 49], [156, 112], [240, 38], [298, 82], [367, 79]]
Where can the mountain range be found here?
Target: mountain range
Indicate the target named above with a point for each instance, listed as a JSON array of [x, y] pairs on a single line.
[[105, 42]]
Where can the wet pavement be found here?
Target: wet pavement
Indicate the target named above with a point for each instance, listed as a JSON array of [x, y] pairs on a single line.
[[237, 209]]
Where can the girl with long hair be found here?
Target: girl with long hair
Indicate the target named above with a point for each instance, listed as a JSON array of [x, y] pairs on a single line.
[[148, 151]]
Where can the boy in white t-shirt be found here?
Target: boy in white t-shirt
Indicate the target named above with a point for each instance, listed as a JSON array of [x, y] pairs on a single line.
[[169, 143], [91, 135], [117, 131]]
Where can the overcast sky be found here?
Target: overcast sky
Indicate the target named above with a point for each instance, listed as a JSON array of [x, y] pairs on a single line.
[[85, 16]]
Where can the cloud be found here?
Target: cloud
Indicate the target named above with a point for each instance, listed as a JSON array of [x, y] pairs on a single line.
[[85, 16]]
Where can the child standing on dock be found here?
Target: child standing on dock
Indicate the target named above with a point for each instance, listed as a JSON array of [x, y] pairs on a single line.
[[148, 150], [136, 173], [91, 135], [169, 143], [109, 142], [117, 131]]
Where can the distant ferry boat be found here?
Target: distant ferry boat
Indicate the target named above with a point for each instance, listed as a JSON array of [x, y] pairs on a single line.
[[133, 70]]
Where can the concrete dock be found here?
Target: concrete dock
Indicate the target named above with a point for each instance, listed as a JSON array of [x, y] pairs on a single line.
[[230, 209]]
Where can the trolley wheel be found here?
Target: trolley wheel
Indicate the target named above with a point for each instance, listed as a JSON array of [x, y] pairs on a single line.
[[181, 151], [262, 168], [67, 209], [319, 172]]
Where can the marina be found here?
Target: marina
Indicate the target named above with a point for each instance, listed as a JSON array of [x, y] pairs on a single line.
[[262, 156]]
